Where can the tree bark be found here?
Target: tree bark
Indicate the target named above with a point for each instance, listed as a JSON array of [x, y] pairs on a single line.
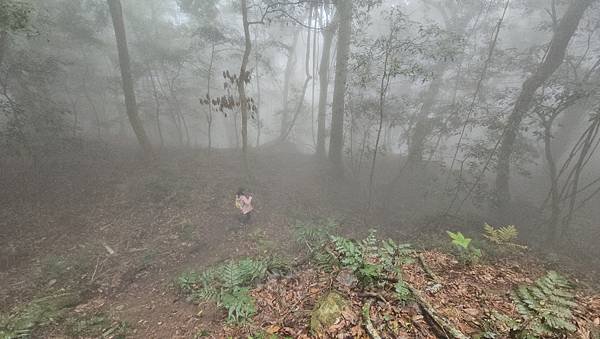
[[289, 69], [423, 125], [209, 115], [242, 79], [328, 35], [554, 58], [116, 13], [157, 107], [336, 141]]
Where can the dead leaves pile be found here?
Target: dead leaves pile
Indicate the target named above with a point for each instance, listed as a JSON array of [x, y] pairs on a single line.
[[469, 297]]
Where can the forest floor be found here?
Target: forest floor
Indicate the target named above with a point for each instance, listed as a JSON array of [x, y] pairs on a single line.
[[117, 232]]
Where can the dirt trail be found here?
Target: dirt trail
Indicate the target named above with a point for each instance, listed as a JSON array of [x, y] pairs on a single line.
[[159, 220]]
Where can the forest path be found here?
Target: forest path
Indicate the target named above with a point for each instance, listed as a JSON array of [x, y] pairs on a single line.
[[157, 221]]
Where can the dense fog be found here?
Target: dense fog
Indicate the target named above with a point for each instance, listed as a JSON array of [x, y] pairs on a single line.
[[143, 138]]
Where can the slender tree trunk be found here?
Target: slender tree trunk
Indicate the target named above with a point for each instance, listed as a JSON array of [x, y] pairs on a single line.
[[157, 107], [554, 58], [385, 81], [423, 126], [291, 124], [328, 35], [209, 115], [336, 141], [289, 69], [554, 191], [258, 103], [243, 77], [116, 13]]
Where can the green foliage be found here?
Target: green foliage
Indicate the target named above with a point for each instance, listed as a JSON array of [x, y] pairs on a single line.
[[227, 284], [239, 304], [314, 235], [502, 237], [546, 306], [459, 239], [402, 291], [467, 253], [39, 313], [96, 326], [369, 258]]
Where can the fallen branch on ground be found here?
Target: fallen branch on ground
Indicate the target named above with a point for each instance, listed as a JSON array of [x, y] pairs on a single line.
[[367, 321], [427, 270]]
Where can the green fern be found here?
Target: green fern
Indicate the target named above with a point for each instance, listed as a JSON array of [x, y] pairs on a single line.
[[349, 252], [227, 284], [546, 306], [503, 236], [402, 291], [314, 235], [370, 258], [238, 303]]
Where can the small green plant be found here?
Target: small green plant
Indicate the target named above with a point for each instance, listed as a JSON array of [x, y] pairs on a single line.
[[369, 258], [546, 306], [402, 291], [467, 253], [238, 303], [227, 284], [314, 235], [503, 237], [39, 313], [97, 326]]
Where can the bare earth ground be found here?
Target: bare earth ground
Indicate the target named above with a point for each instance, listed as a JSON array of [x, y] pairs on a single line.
[[122, 230]]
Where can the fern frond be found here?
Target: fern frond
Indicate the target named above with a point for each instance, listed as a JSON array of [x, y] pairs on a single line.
[[546, 305]]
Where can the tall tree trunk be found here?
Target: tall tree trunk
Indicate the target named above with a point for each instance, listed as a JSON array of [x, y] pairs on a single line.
[[258, 103], [209, 115], [336, 141], [554, 58], [116, 13], [423, 126], [328, 35], [289, 69], [385, 82], [291, 124], [554, 191], [243, 77], [157, 107]]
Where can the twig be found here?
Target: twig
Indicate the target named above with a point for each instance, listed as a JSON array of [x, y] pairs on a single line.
[[95, 270], [442, 323], [367, 321], [427, 270], [446, 327]]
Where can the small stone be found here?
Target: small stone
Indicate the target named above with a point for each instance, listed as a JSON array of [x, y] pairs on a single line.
[[120, 307], [327, 311], [51, 282]]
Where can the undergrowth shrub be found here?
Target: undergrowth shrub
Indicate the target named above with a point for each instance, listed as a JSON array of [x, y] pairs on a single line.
[[369, 258], [227, 284], [502, 239], [546, 306], [37, 314], [464, 249]]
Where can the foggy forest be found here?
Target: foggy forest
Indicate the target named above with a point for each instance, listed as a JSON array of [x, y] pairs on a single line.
[[267, 169]]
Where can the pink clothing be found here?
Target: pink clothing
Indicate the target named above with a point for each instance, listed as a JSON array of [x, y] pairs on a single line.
[[244, 203]]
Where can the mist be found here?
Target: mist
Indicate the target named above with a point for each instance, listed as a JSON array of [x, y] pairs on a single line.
[[299, 169]]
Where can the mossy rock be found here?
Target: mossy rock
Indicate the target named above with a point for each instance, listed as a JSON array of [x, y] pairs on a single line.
[[327, 311]]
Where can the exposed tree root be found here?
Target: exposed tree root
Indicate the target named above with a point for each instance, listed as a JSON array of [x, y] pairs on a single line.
[[445, 327], [427, 270], [367, 321]]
